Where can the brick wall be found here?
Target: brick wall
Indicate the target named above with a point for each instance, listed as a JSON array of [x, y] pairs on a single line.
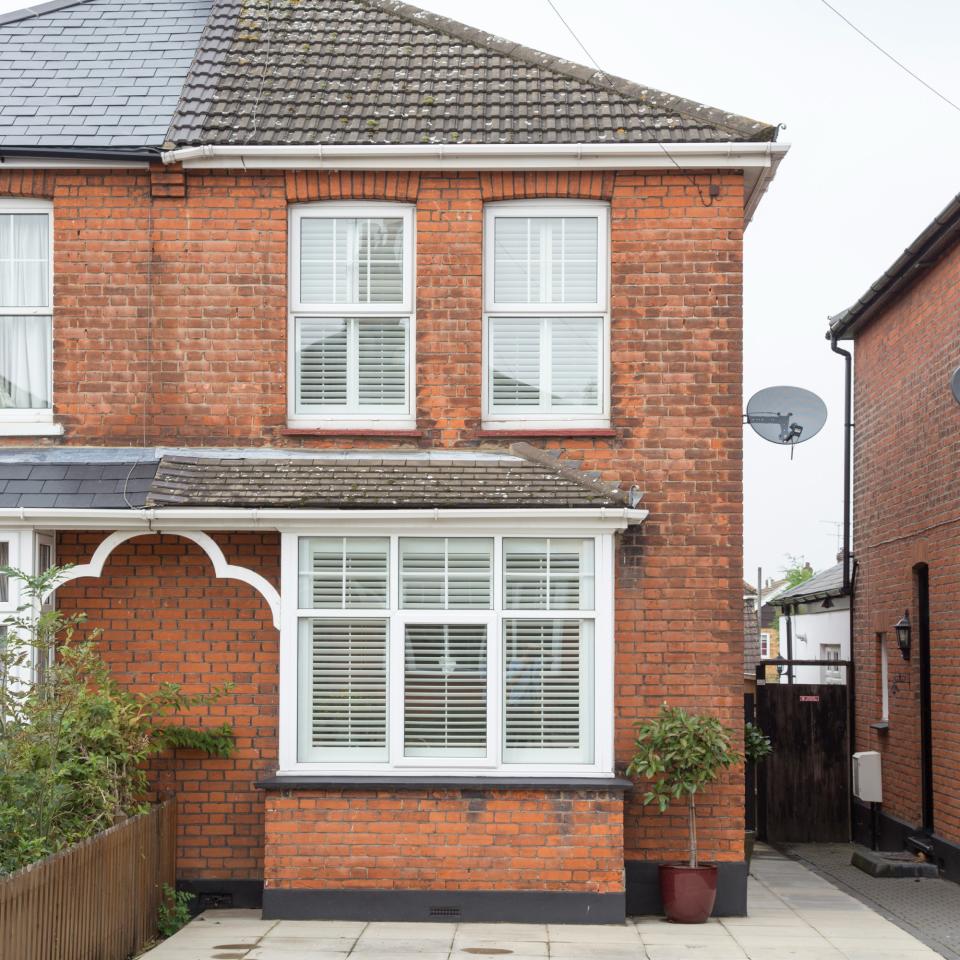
[[445, 840], [167, 618], [170, 327], [907, 491]]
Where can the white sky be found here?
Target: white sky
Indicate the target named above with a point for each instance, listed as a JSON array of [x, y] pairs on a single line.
[[873, 160]]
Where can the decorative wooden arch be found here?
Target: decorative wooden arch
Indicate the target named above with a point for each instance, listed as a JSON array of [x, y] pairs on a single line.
[[206, 543]]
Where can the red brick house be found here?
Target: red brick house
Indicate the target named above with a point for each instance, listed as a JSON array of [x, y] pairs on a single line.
[[394, 375], [906, 494]]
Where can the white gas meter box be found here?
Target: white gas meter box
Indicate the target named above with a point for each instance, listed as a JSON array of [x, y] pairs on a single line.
[[867, 784]]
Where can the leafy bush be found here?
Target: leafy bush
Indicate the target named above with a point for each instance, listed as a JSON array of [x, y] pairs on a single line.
[[174, 911], [73, 742], [756, 744], [678, 753]]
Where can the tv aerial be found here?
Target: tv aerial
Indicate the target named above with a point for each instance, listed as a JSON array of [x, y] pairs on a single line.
[[786, 415]]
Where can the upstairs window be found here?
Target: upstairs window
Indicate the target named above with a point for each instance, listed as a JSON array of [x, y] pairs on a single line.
[[546, 327], [26, 313], [351, 292]]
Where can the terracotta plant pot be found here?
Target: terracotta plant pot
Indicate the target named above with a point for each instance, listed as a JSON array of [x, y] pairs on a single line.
[[688, 893]]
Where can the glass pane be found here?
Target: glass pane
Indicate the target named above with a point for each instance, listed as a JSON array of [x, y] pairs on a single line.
[[445, 690], [25, 363], [322, 345], [343, 684], [548, 574], [546, 259], [343, 572], [514, 363], [548, 669], [575, 363], [382, 362], [351, 260], [24, 260]]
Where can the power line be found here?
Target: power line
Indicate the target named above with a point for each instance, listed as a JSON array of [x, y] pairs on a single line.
[[888, 55], [629, 104]]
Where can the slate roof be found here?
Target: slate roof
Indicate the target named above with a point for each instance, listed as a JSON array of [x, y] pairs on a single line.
[[95, 74], [379, 71], [121, 486], [388, 483], [826, 583]]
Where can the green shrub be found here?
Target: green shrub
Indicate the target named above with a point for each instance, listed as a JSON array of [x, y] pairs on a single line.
[[756, 745], [174, 911], [678, 753], [73, 742]]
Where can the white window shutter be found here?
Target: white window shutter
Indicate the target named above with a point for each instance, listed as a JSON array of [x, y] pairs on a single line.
[[547, 691], [346, 699], [4, 579], [382, 362], [575, 362], [322, 362], [343, 572], [515, 368], [445, 690], [544, 574], [380, 260], [325, 261], [438, 573]]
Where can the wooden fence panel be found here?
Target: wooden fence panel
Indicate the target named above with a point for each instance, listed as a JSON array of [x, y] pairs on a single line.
[[97, 900]]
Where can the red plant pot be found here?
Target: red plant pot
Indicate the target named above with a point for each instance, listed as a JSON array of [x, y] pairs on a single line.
[[688, 893]]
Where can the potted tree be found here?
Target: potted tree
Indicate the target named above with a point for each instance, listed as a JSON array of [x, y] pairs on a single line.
[[756, 748], [677, 753]]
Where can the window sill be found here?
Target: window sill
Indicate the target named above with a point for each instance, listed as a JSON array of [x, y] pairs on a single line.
[[348, 432], [547, 432], [30, 428], [882, 726], [400, 782]]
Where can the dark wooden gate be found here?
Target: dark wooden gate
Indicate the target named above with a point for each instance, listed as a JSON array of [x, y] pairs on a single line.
[[804, 785]]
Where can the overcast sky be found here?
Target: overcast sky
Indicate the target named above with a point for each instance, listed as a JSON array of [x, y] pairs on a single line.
[[873, 160]]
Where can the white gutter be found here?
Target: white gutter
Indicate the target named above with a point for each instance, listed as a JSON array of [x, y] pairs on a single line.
[[481, 155], [54, 163], [237, 518]]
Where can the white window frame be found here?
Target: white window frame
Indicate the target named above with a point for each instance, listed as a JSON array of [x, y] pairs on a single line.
[[765, 638], [347, 418], [884, 680], [831, 674], [540, 419], [32, 422], [602, 719]]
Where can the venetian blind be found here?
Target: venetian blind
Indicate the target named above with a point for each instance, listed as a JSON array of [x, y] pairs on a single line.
[[445, 690]]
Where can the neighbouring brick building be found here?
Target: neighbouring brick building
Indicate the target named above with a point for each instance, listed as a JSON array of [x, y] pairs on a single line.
[[391, 372], [906, 539]]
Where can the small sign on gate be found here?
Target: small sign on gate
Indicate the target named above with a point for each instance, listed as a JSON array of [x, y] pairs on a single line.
[[814, 699]]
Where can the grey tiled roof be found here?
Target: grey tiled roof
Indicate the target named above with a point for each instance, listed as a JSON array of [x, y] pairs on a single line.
[[388, 483], [76, 485], [380, 71], [825, 583], [95, 74]]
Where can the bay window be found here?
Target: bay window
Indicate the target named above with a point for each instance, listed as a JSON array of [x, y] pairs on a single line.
[[546, 328], [351, 302], [26, 318], [464, 653]]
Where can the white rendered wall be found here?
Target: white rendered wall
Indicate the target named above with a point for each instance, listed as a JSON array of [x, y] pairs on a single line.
[[810, 632]]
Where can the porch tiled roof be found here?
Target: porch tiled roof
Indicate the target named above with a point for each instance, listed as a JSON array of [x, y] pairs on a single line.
[[121, 486], [390, 482]]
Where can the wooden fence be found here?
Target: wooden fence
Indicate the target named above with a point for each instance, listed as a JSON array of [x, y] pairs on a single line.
[[97, 900]]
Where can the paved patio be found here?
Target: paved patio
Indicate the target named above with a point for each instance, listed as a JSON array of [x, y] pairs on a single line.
[[793, 914]]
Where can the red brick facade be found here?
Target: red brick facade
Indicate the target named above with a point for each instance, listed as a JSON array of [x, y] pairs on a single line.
[[907, 491], [170, 327], [445, 840]]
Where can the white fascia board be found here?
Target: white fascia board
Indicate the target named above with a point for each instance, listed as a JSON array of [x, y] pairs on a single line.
[[534, 156], [596, 519], [51, 163]]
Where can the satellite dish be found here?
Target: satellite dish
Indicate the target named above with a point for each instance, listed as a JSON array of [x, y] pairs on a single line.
[[955, 384], [786, 415]]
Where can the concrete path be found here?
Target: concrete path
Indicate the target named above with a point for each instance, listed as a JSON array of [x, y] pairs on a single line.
[[793, 914]]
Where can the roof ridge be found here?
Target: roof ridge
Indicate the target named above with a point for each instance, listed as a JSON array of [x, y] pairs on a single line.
[[26, 13], [572, 471], [691, 109]]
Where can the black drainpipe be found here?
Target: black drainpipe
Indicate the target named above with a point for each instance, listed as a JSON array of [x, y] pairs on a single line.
[[847, 431]]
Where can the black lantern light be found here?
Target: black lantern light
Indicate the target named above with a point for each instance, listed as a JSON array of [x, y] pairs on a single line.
[[781, 663], [902, 628]]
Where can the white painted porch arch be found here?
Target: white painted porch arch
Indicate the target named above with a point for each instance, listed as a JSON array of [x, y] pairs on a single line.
[[206, 543]]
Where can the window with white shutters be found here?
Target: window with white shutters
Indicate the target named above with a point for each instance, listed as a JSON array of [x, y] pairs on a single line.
[[445, 690], [4, 578], [343, 689], [548, 682], [419, 652], [446, 573], [26, 311], [351, 289], [547, 322]]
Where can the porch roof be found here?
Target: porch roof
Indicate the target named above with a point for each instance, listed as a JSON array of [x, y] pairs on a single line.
[[76, 484]]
